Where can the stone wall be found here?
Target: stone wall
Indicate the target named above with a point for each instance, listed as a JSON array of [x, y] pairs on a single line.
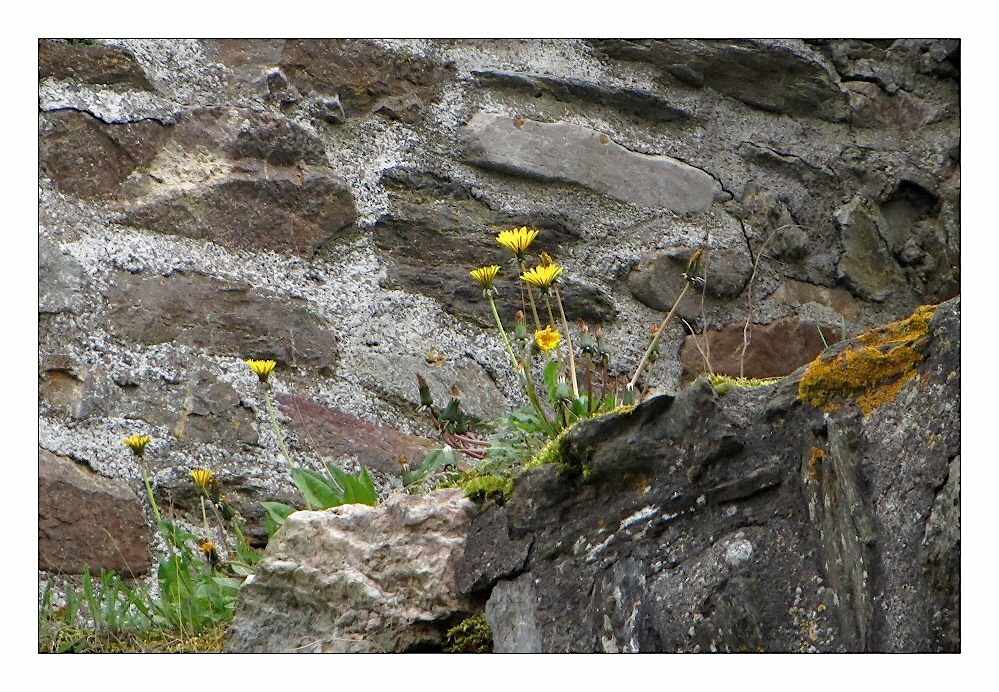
[[321, 202]]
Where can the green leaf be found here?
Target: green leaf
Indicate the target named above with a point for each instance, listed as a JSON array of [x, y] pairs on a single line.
[[366, 493], [580, 406], [551, 381], [316, 490], [359, 489], [277, 512]]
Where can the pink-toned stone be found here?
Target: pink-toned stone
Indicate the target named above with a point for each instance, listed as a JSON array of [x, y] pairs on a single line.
[[775, 349], [337, 433]]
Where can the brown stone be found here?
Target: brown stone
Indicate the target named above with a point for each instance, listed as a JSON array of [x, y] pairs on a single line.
[[90, 64], [775, 349], [280, 209], [360, 73], [338, 433], [86, 520], [226, 319], [90, 158]]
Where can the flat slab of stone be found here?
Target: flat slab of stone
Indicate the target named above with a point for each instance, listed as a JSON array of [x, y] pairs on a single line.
[[87, 520], [573, 154]]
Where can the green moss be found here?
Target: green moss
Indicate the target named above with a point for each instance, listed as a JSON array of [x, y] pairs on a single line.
[[481, 488], [551, 453], [470, 636], [723, 383], [871, 370]]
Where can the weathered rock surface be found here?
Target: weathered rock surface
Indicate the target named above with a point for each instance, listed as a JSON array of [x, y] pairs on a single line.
[[224, 318], [808, 86], [569, 153], [358, 579], [61, 280], [90, 158], [203, 201], [336, 433], [87, 520], [362, 75], [663, 528], [287, 210], [91, 64]]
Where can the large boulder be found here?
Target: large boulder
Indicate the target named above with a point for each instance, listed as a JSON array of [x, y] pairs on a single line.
[[358, 579], [662, 529]]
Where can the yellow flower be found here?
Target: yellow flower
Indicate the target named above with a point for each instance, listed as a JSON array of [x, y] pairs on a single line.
[[485, 275], [202, 477], [542, 276], [547, 339], [209, 550], [261, 367], [517, 240], [137, 443]]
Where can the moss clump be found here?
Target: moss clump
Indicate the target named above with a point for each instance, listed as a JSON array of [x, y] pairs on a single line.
[[873, 369], [470, 636], [723, 383], [551, 453], [814, 466], [481, 488]]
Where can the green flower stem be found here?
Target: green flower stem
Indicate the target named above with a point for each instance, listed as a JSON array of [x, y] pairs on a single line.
[[568, 344], [204, 514], [499, 325], [272, 414], [655, 339], [278, 434], [149, 492], [530, 295], [533, 396]]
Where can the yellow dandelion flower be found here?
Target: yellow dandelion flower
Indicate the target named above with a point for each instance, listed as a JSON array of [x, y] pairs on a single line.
[[209, 550], [547, 339], [261, 367], [485, 275], [542, 276], [517, 240], [202, 477], [137, 443]]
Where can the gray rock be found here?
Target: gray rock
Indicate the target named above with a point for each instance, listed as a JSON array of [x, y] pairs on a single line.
[[358, 579], [866, 266], [510, 612], [569, 153], [61, 280], [640, 103], [808, 85], [662, 527]]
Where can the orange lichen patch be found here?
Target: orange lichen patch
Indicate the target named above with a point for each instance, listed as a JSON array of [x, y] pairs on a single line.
[[873, 369], [814, 466]]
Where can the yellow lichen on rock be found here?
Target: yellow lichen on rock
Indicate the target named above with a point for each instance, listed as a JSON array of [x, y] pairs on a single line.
[[871, 370]]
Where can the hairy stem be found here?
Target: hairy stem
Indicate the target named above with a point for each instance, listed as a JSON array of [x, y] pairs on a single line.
[[655, 339]]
